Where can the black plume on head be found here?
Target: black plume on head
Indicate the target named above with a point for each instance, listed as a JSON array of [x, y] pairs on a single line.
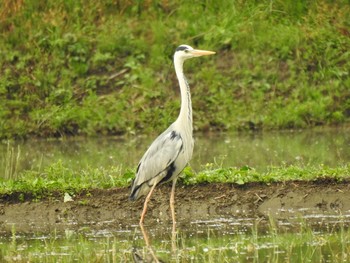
[[180, 48]]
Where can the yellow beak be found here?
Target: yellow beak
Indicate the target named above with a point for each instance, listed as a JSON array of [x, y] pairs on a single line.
[[198, 52]]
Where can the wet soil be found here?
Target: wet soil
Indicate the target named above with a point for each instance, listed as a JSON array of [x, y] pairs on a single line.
[[101, 209]]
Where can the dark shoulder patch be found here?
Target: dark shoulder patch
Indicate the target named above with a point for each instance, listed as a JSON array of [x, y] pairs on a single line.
[[174, 135]]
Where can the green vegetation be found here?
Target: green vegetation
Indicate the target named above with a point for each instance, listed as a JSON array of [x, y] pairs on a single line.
[[57, 179], [102, 67], [274, 174], [250, 245]]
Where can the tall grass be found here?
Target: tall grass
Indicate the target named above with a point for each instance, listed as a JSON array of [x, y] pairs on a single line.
[[103, 67]]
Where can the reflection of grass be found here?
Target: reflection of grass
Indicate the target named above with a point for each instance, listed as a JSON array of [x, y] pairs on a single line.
[[58, 178], [11, 161], [254, 245]]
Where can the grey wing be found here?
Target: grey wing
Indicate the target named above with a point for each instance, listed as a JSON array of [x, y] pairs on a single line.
[[157, 162]]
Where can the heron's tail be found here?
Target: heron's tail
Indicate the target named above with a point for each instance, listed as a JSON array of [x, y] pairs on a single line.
[[133, 197], [135, 190], [138, 191]]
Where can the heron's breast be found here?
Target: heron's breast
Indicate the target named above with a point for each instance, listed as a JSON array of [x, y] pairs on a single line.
[[187, 148]]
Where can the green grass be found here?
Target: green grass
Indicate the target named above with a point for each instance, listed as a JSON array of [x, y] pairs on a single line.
[[247, 174], [102, 67], [58, 179]]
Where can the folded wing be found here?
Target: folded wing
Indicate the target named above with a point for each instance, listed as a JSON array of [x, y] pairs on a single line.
[[158, 163]]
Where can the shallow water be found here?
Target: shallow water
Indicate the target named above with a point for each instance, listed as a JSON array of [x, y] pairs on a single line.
[[217, 240], [328, 146]]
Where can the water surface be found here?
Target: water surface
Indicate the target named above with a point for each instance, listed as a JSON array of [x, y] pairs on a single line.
[[329, 146], [217, 240]]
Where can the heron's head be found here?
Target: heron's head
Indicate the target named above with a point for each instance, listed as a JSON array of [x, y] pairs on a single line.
[[184, 52]]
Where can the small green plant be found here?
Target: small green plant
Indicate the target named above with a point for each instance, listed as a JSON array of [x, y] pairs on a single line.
[[84, 202]]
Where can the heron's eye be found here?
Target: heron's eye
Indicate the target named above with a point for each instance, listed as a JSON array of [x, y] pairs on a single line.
[[186, 50]]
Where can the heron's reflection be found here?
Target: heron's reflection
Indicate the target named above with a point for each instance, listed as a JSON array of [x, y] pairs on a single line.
[[151, 256]]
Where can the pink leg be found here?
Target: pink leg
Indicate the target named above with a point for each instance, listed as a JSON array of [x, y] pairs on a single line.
[[145, 204], [172, 203], [172, 208]]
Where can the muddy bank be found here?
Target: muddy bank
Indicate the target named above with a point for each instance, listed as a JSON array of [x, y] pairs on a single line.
[[101, 209]]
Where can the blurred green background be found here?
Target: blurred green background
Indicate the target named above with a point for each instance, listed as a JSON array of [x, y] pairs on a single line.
[[89, 67]]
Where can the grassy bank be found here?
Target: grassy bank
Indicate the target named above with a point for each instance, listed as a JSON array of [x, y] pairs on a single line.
[[58, 179], [103, 67]]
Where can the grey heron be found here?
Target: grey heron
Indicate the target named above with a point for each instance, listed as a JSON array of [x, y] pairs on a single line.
[[172, 150]]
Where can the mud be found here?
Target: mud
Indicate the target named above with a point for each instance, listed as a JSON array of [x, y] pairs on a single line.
[[103, 209]]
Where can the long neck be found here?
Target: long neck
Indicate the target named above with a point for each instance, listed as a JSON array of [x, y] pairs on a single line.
[[185, 115]]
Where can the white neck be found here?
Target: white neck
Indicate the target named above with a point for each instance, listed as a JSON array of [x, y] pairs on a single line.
[[185, 115]]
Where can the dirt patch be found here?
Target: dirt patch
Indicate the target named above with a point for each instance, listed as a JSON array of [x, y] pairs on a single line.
[[101, 209]]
